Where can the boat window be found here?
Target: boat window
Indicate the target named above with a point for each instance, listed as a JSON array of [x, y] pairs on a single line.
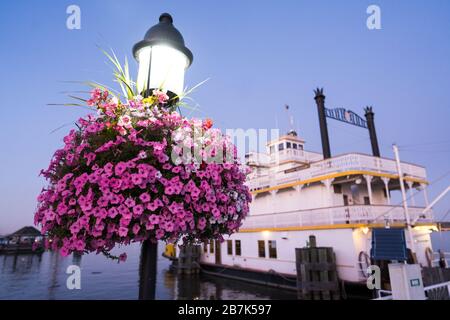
[[345, 200], [281, 147], [355, 192], [337, 188], [366, 200], [272, 249], [237, 248], [211, 246], [261, 249], [272, 149], [300, 147], [294, 145], [288, 145], [205, 247], [230, 247]]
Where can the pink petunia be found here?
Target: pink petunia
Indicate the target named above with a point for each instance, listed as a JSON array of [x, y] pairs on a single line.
[[152, 206], [112, 212], [120, 168], [80, 245], [115, 199], [102, 202], [124, 221], [144, 197], [138, 210], [153, 219], [136, 179], [123, 231], [75, 228], [123, 257], [64, 251], [169, 227], [159, 234], [215, 212], [136, 228], [129, 202], [201, 224], [161, 96]]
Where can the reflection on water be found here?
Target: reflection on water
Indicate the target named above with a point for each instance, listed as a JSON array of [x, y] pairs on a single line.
[[43, 276]]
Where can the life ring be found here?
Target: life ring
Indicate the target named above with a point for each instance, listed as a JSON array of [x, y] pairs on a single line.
[[364, 263], [429, 255]]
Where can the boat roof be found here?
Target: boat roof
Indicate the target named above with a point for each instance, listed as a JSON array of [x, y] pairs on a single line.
[[26, 231]]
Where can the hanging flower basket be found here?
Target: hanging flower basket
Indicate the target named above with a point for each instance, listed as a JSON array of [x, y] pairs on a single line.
[[139, 170]]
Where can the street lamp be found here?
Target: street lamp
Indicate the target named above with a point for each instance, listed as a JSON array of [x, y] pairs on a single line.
[[163, 59]]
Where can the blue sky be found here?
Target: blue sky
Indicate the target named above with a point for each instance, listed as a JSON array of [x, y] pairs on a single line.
[[259, 55]]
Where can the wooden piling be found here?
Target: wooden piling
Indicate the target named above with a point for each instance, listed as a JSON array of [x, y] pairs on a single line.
[[189, 259], [316, 273]]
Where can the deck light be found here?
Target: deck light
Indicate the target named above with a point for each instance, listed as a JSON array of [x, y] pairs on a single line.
[[266, 234]]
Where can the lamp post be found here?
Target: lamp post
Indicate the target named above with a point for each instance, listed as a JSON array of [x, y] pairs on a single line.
[[163, 59]]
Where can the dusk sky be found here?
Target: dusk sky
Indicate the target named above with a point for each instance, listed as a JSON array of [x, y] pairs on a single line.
[[258, 55]]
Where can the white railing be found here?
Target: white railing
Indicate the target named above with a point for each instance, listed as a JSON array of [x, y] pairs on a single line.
[[356, 161], [384, 298], [334, 215], [383, 295], [436, 259], [440, 291], [347, 162], [296, 155]]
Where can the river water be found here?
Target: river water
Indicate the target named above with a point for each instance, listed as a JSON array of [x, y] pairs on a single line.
[[33, 276]]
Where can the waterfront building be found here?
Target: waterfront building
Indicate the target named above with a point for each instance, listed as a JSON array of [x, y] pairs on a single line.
[[21, 240]]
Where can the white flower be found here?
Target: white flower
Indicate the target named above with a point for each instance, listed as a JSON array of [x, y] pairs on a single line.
[[125, 121], [115, 100], [142, 154], [138, 114], [178, 160], [177, 135]]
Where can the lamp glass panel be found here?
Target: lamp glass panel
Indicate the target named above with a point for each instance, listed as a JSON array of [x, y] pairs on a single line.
[[167, 69], [144, 63]]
